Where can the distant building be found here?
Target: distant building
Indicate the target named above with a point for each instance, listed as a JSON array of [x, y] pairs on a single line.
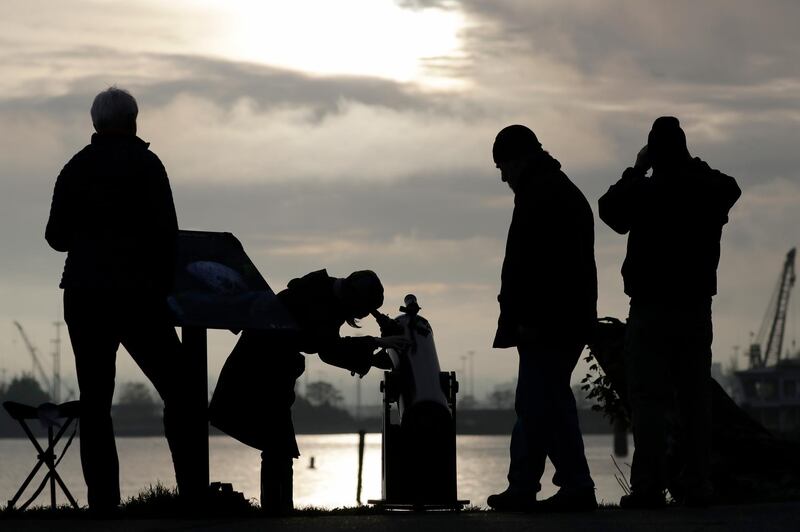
[[771, 395]]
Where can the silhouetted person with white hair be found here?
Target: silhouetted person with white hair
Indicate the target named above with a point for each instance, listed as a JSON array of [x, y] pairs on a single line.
[[674, 221], [112, 213], [548, 299]]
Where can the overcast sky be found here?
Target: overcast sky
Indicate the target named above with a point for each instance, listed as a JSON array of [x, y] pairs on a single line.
[[357, 134]]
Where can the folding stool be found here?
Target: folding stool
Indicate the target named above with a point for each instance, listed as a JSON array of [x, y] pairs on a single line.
[[48, 414]]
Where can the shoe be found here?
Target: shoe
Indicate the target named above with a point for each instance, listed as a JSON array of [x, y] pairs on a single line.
[[698, 500], [104, 511], [643, 500], [567, 502], [511, 501]]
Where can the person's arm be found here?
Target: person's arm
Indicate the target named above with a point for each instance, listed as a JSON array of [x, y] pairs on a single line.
[[358, 353], [353, 353], [527, 260], [729, 193], [616, 206], [727, 188], [168, 216], [165, 221], [724, 187], [59, 230]]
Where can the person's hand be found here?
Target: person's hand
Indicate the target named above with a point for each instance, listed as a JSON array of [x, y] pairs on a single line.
[[360, 375], [642, 160], [393, 342], [389, 327], [382, 360]]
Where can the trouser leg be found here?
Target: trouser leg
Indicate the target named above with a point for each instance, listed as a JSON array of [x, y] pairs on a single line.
[[650, 394], [276, 483], [547, 420], [564, 441], [95, 347], [693, 381], [154, 345], [527, 451]]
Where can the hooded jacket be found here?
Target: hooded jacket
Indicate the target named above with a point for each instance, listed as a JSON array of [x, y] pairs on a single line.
[[674, 223], [255, 391]]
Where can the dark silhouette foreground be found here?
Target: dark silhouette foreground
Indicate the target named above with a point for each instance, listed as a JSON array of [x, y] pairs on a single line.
[[674, 222], [112, 212], [748, 463], [547, 310]]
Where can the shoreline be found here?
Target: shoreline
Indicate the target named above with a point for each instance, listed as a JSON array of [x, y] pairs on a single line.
[[768, 517]]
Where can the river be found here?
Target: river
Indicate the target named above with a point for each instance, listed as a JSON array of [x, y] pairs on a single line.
[[482, 467]]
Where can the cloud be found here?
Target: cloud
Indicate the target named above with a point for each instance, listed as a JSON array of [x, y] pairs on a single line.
[[350, 172], [718, 41], [608, 69]]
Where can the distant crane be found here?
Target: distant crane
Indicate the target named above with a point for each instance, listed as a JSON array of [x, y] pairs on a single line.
[[775, 318], [54, 385], [57, 363], [37, 365]]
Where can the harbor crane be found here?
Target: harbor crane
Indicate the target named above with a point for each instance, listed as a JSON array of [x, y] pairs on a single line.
[[54, 385], [770, 334]]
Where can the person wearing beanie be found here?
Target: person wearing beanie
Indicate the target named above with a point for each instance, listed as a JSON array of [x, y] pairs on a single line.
[[255, 391], [673, 220], [548, 300]]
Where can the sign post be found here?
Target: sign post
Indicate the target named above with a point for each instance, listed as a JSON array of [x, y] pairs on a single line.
[[216, 286], [195, 347]]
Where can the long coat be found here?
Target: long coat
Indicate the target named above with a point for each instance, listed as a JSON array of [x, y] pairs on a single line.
[[549, 277], [255, 391]]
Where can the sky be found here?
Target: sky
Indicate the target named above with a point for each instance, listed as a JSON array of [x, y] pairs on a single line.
[[357, 134]]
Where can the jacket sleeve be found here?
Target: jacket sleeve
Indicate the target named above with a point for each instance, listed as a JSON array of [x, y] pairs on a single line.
[[165, 222], [353, 353], [728, 191], [60, 224], [616, 206], [723, 188]]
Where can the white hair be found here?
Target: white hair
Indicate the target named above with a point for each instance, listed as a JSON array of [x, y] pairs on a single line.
[[114, 110]]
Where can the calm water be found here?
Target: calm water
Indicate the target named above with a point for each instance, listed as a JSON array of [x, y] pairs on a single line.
[[482, 465]]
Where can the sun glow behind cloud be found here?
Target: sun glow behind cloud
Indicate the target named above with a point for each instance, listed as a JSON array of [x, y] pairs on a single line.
[[368, 38], [352, 37]]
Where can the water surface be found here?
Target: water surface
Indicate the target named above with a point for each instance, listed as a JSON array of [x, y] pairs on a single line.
[[482, 467]]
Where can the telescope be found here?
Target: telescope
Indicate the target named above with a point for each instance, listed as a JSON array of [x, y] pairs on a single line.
[[419, 420]]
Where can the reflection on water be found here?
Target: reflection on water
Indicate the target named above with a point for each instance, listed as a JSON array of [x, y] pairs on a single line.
[[482, 467]]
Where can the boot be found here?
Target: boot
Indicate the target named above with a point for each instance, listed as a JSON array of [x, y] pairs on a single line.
[[276, 485]]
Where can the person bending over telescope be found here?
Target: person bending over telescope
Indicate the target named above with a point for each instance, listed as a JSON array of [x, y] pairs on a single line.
[[255, 391]]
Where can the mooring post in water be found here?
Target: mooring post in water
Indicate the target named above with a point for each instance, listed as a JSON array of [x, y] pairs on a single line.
[[620, 437], [361, 434]]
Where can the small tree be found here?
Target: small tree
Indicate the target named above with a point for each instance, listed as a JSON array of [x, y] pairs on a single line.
[[467, 402], [502, 398], [26, 390], [581, 401], [136, 394], [323, 393]]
